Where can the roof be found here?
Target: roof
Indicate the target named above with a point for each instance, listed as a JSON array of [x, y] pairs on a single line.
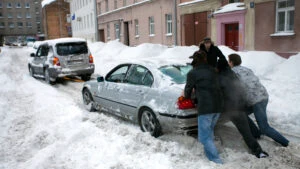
[[63, 40], [231, 7]]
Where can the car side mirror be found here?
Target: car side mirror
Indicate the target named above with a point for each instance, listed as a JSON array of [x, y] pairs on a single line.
[[32, 55], [100, 79]]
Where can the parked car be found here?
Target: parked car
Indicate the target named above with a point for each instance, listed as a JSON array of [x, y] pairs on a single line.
[[61, 57], [147, 94]]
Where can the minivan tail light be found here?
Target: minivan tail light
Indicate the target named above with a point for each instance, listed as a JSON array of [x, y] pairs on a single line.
[[91, 59], [56, 61], [184, 103]]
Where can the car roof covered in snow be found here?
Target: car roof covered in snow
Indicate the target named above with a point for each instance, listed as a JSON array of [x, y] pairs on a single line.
[[53, 42]]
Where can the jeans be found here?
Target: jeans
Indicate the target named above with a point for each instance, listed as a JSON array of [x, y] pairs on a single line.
[[206, 125], [260, 113]]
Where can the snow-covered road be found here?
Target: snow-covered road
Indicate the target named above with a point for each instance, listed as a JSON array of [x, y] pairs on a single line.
[[43, 126]]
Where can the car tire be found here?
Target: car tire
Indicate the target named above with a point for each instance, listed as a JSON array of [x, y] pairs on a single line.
[[86, 77], [88, 100], [48, 78], [31, 71], [149, 123]]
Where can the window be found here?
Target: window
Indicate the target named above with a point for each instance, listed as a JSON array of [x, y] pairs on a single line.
[[124, 2], [108, 31], [9, 5], [115, 4], [136, 24], [28, 15], [151, 26], [20, 24], [18, 5], [42, 51], [1, 15], [233, 1], [11, 25], [117, 31], [9, 15], [118, 74], [99, 7], [28, 24], [19, 15], [139, 75], [0, 4], [27, 5], [285, 15], [169, 24], [72, 48], [106, 6], [2, 24]]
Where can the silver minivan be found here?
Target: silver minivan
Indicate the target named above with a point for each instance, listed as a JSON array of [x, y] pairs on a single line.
[[62, 57]]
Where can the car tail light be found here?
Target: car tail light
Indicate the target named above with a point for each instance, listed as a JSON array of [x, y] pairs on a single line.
[[56, 61], [184, 103], [91, 59]]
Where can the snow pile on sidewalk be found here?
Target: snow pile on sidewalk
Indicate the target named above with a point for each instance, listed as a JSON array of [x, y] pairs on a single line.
[[43, 126]]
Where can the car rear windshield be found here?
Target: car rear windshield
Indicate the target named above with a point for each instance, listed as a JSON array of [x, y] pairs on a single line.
[[72, 48], [176, 72]]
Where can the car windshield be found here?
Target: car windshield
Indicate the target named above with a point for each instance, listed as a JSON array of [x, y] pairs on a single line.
[[72, 48], [177, 73]]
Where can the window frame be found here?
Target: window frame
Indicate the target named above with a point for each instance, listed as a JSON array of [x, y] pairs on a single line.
[[9, 5], [27, 5], [136, 27], [18, 5], [169, 25], [117, 31], [146, 72], [151, 26], [115, 69], [285, 10]]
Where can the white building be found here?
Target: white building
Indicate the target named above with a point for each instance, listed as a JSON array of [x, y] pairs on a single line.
[[83, 19]]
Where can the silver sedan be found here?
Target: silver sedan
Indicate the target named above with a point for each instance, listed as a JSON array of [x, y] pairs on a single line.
[[147, 94]]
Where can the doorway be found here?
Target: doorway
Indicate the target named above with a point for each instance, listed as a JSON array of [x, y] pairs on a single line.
[[232, 36], [101, 35], [126, 34]]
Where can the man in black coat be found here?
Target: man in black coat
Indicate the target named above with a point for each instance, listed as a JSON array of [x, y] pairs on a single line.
[[235, 106], [213, 52], [203, 79]]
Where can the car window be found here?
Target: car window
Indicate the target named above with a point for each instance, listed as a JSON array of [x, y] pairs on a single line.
[[42, 51], [118, 75], [72, 48], [176, 73], [139, 75]]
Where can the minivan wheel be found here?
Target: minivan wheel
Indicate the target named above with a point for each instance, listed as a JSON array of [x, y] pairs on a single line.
[[88, 100], [47, 77], [86, 77], [149, 123]]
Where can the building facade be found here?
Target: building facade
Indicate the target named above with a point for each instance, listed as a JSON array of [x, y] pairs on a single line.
[[266, 25], [21, 19], [56, 19], [133, 22], [84, 23]]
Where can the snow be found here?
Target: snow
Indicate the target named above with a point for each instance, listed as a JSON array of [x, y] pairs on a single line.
[[190, 2], [283, 34], [43, 126], [231, 7], [47, 2]]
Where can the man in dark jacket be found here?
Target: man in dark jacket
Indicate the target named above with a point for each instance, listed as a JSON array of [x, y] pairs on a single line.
[[235, 106], [204, 80], [213, 52]]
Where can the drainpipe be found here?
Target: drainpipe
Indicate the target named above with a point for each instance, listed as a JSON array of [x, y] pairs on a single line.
[[96, 21], [175, 23]]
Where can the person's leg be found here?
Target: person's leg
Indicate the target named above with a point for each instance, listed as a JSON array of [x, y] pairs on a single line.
[[205, 137], [260, 113], [240, 120], [254, 130]]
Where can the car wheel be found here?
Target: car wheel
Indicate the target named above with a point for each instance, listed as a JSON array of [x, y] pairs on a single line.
[[48, 78], [149, 123], [86, 77], [31, 71], [88, 100]]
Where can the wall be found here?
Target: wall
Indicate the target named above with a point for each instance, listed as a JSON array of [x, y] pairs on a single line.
[[265, 20]]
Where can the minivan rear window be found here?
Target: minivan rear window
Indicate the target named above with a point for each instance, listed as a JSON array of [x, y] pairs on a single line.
[[72, 48]]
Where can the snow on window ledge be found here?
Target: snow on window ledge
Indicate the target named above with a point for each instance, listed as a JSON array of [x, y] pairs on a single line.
[[169, 34], [137, 36], [152, 35], [283, 34]]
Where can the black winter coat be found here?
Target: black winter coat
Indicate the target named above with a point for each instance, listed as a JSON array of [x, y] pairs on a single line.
[[233, 92], [204, 80], [213, 54]]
